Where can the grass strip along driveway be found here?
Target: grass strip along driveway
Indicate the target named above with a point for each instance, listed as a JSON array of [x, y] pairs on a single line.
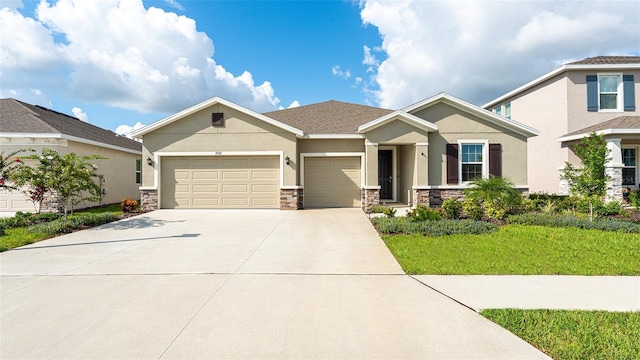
[[539, 250]]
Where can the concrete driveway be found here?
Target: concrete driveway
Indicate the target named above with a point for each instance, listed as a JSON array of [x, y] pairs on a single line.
[[253, 284]]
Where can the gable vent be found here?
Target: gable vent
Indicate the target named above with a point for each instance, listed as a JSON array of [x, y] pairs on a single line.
[[217, 119]]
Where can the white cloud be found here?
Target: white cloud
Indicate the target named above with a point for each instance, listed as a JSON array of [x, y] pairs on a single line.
[[174, 4], [126, 130], [294, 104], [336, 71], [119, 53], [477, 50], [12, 4], [77, 112]]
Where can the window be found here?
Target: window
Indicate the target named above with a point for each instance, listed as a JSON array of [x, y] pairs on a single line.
[[507, 110], [503, 110], [611, 92], [629, 169], [471, 162], [138, 171], [469, 159], [608, 92]]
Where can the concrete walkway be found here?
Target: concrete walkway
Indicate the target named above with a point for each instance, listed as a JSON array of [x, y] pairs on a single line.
[[610, 293], [315, 284]]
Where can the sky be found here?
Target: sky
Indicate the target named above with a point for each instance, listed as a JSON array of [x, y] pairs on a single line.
[[122, 64]]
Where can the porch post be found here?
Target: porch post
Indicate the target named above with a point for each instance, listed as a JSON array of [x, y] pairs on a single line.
[[371, 190], [613, 170], [421, 190]]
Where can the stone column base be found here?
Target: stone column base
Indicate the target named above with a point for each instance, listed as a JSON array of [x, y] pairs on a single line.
[[421, 197], [614, 183], [369, 198], [148, 200], [291, 199]]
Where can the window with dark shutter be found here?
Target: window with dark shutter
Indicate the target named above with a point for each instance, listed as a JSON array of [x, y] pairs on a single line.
[[217, 119], [628, 93], [452, 163], [495, 159], [592, 92]]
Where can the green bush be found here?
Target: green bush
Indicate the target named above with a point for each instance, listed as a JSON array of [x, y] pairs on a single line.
[[497, 191], [377, 209], [431, 227], [604, 224], [472, 209], [423, 213], [452, 209], [75, 222], [634, 198], [21, 219], [389, 212]]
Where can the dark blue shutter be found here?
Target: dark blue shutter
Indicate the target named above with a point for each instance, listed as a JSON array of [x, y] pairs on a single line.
[[592, 93], [629, 93]]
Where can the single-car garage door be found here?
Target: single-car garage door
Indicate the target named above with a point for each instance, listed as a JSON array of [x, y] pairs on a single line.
[[220, 182], [332, 182]]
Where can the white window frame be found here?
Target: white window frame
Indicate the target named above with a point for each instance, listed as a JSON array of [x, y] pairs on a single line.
[[620, 95], [138, 172], [634, 167], [504, 110], [485, 157]]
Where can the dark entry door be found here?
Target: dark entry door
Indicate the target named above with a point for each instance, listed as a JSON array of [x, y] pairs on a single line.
[[385, 173]]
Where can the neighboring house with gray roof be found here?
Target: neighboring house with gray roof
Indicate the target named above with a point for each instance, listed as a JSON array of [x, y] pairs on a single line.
[[217, 154], [26, 126], [598, 94]]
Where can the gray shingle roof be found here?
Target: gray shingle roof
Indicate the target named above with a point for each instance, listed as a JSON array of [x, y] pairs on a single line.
[[329, 117], [605, 60], [622, 122], [19, 117]]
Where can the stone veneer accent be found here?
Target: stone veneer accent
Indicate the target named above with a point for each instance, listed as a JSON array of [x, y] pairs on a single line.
[[421, 197], [370, 197], [291, 199], [563, 185], [614, 183], [148, 200]]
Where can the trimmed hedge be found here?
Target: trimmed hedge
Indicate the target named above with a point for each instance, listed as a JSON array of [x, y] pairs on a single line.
[[570, 221], [75, 222], [26, 219], [431, 227]]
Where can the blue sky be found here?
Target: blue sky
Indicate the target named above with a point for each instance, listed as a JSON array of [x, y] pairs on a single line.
[[117, 63]]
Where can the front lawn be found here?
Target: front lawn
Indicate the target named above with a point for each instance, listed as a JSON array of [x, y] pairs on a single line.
[[569, 335], [27, 228], [520, 249]]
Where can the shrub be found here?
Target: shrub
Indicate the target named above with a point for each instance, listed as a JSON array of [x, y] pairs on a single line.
[[549, 207], [75, 222], [498, 191], [389, 212], [127, 205], [21, 219], [492, 211], [423, 213], [452, 208], [431, 227], [472, 209], [604, 224], [377, 209], [634, 198]]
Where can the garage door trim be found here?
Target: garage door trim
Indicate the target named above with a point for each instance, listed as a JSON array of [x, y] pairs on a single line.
[[159, 155], [333, 154]]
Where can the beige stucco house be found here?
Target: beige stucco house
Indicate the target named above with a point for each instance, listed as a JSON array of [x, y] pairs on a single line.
[[218, 154], [595, 94], [26, 126]]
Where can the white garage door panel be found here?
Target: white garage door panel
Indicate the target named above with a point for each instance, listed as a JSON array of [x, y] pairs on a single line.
[[332, 182], [231, 182]]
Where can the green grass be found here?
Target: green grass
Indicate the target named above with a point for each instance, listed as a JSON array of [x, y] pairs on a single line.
[[20, 236], [520, 249], [569, 335]]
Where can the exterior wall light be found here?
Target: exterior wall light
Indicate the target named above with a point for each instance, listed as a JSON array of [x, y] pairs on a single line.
[[287, 160], [149, 161]]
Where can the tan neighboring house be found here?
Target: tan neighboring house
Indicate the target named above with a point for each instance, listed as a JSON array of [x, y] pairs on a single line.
[[26, 126], [595, 94], [218, 154]]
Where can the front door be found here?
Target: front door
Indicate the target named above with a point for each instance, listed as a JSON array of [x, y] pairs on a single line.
[[385, 174]]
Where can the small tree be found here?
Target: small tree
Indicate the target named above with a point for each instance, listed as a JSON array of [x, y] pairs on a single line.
[[70, 178], [9, 164], [589, 181]]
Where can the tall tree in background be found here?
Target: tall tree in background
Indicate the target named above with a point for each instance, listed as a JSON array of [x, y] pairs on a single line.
[[590, 180]]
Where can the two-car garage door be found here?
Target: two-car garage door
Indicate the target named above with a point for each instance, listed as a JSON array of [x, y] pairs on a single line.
[[220, 182]]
